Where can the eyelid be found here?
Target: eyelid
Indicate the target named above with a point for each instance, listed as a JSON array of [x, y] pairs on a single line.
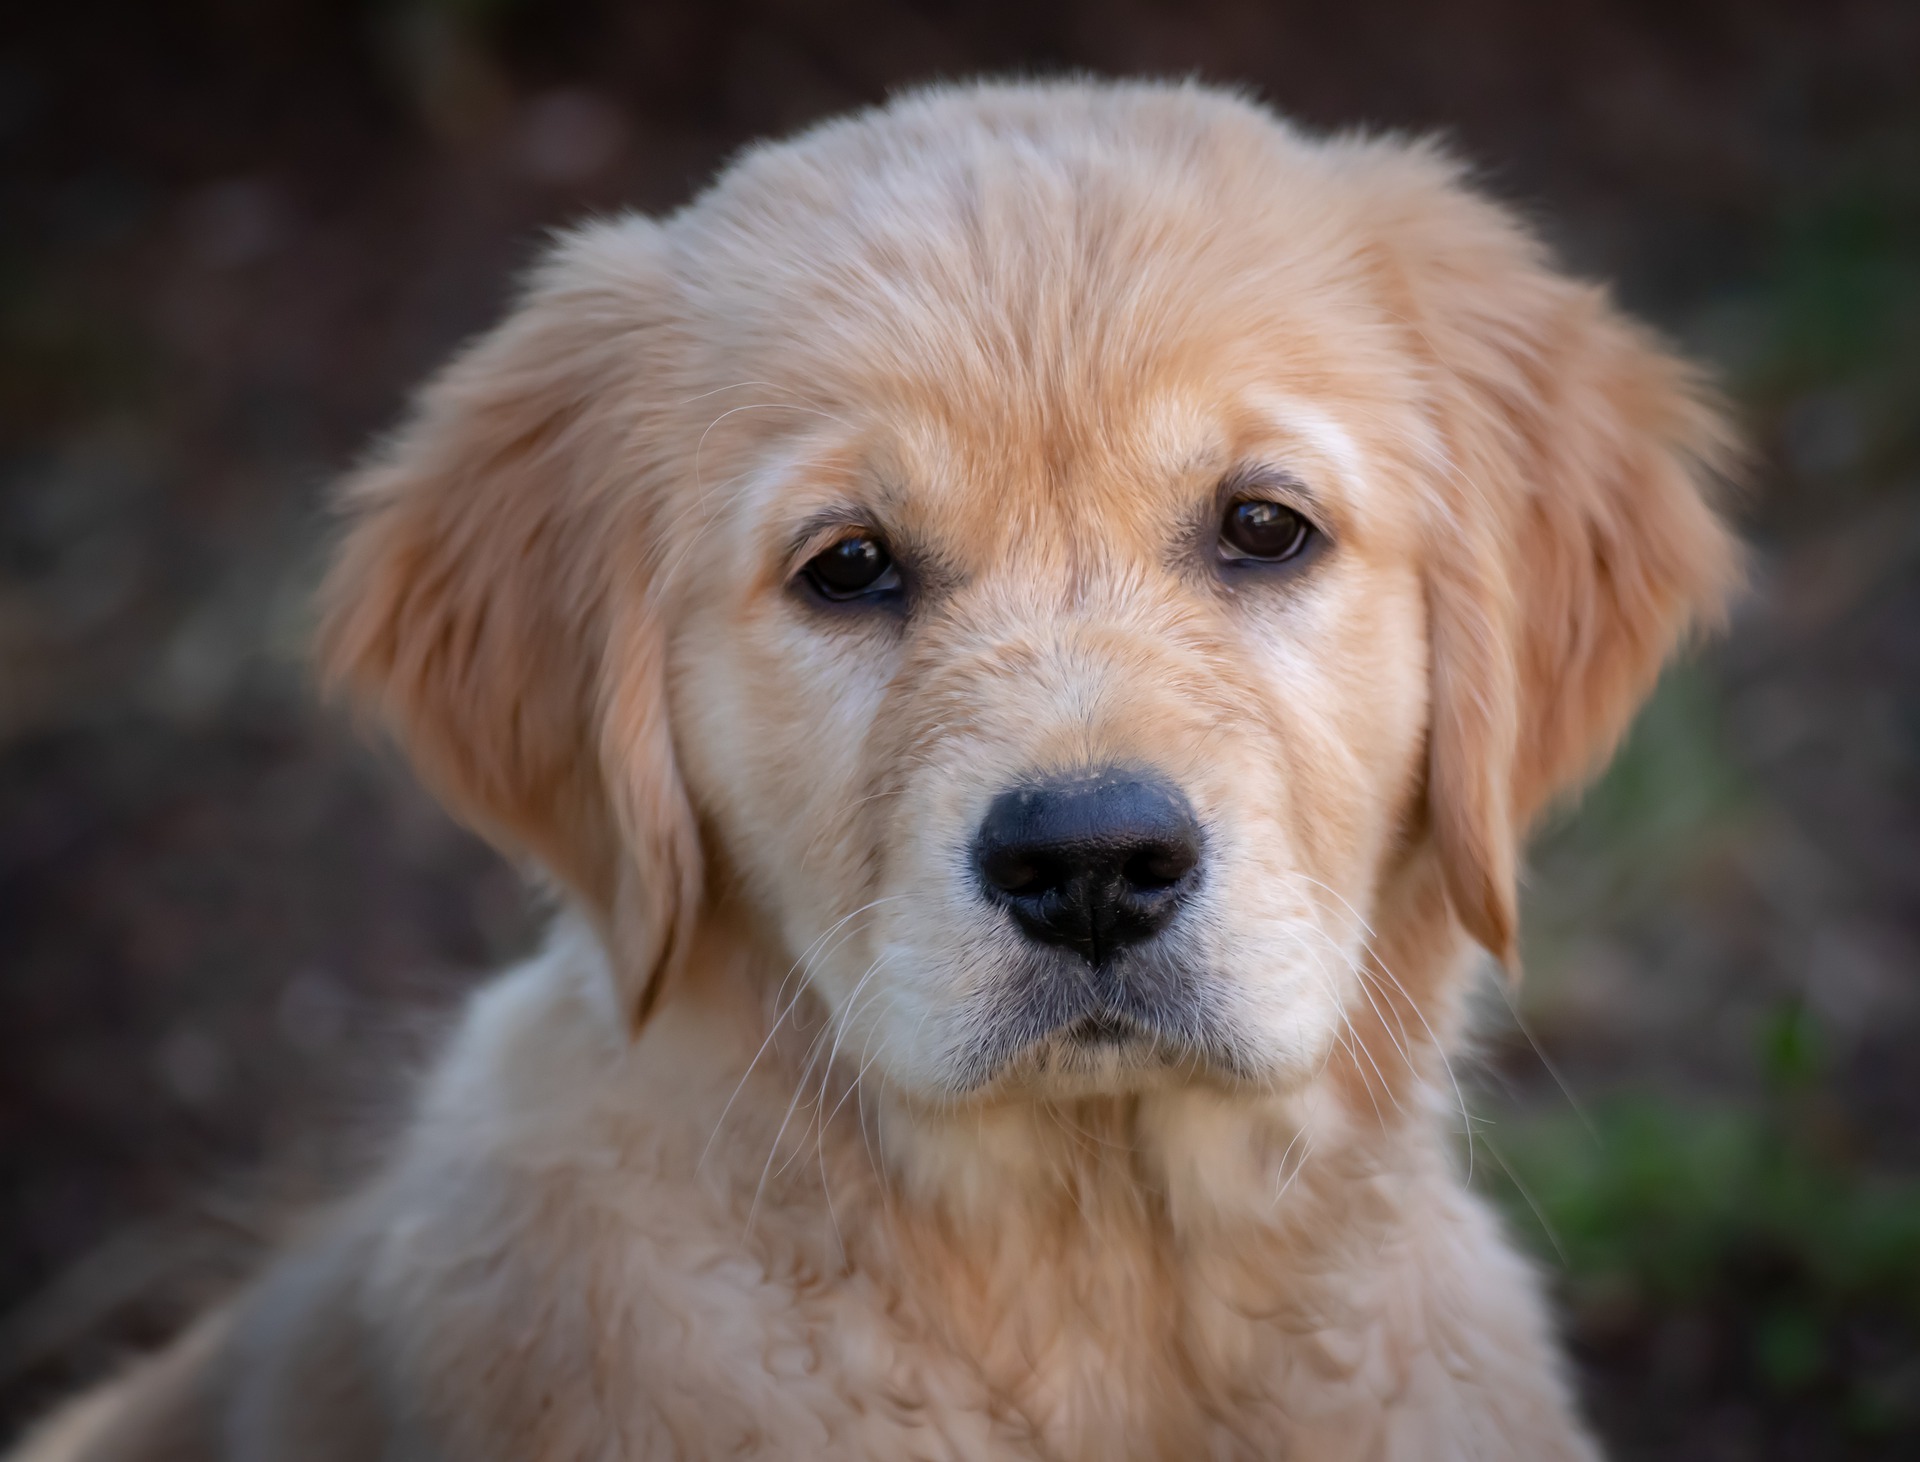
[[821, 532], [1260, 482]]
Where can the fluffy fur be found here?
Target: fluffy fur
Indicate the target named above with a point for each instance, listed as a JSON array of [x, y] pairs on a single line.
[[757, 1158]]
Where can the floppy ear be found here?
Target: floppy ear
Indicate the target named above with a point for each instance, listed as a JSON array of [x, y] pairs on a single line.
[[1578, 541], [480, 605]]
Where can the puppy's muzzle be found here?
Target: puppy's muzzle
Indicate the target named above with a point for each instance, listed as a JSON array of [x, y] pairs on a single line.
[[1093, 862]]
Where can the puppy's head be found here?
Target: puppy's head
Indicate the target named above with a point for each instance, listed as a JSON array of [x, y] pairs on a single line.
[[1069, 557]]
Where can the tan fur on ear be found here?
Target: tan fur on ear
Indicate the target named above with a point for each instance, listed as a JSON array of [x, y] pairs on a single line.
[[472, 603], [1580, 541]]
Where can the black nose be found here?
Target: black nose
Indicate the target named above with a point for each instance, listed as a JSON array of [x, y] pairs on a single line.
[[1090, 862]]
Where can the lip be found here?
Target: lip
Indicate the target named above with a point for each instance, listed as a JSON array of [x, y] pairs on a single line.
[[1148, 1014]]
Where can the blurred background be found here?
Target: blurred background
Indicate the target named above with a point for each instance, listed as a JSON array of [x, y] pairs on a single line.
[[232, 234]]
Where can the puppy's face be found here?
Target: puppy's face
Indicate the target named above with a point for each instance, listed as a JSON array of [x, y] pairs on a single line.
[[1061, 554], [1063, 740]]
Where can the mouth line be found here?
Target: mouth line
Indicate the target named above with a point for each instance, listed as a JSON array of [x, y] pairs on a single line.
[[1104, 1028], [1149, 1014], [1105, 1040]]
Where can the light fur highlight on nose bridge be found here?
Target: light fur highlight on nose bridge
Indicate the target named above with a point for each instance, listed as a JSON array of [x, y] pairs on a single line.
[[1060, 686]]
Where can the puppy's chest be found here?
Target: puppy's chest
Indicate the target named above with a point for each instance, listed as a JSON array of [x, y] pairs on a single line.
[[1085, 1328], [1089, 1345], [684, 1332]]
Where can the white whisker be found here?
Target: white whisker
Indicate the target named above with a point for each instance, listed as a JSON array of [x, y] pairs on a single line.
[[805, 958]]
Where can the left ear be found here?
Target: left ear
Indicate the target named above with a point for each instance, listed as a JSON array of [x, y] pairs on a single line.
[[1577, 541]]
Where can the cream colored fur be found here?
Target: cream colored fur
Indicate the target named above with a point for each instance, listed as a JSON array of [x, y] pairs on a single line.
[[720, 1173]]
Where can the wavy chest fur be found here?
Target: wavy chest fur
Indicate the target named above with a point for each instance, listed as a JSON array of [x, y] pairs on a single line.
[[1165, 1276]]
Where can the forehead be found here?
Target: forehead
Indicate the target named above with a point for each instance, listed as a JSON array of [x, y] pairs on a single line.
[[1002, 332], [1128, 466], [1131, 468]]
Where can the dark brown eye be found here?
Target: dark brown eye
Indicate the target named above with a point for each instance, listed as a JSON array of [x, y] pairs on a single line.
[[1270, 532], [857, 567]]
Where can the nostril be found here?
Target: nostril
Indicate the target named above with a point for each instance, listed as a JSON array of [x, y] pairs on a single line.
[[1019, 872], [1160, 866]]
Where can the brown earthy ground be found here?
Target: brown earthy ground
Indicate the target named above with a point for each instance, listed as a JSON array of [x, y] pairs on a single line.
[[231, 236]]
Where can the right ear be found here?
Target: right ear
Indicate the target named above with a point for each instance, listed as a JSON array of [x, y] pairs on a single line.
[[476, 607], [1576, 538]]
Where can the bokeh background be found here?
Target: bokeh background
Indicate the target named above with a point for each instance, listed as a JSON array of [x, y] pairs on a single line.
[[233, 232]]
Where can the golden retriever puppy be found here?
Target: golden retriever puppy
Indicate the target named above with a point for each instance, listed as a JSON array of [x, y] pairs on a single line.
[[1028, 626]]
